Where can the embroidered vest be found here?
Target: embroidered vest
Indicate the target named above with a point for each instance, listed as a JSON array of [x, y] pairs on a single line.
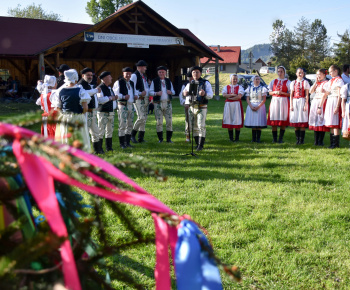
[[87, 86], [299, 91], [158, 88], [123, 89], [280, 86], [230, 91], [255, 95], [139, 82], [202, 86], [70, 100], [106, 107], [333, 89]]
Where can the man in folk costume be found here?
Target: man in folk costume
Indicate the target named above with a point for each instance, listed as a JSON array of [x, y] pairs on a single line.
[[162, 91], [125, 90], [185, 102], [47, 130], [345, 75], [61, 70], [279, 106], [105, 111], [86, 83], [198, 110], [141, 104]]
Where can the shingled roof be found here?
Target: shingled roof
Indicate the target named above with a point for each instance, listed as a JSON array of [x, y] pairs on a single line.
[[228, 54]]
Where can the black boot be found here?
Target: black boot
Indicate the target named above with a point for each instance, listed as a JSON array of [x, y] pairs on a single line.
[[274, 136], [280, 139], [160, 136], [196, 139], [133, 136], [331, 141], [297, 136], [316, 136], [100, 146], [230, 134], [253, 135], [109, 144], [258, 135], [237, 132], [127, 141], [320, 138], [96, 146], [302, 137], [201, 144], [169, 134], [336, 141], [122, 142], [141, 136]]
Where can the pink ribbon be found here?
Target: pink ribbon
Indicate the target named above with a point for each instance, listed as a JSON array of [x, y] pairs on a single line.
[[38, 168], [44, 194]]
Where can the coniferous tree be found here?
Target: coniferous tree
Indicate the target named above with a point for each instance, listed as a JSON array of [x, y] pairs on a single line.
[[342, 49], [319, 46]]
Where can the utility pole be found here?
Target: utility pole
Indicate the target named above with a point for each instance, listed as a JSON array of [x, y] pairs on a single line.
[[250, 60]]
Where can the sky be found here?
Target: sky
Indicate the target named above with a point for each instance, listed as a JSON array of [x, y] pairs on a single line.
[[220, 22]]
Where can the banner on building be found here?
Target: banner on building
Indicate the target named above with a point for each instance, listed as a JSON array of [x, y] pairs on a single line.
[[132, 40]]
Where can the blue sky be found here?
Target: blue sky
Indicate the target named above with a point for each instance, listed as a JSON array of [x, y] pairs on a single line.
[[224, 22]]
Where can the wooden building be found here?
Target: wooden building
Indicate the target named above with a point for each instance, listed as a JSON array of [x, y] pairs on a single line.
[[30, 48]]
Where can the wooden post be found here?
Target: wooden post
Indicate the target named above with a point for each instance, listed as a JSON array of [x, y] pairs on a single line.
[[41, 68], [216, 77]]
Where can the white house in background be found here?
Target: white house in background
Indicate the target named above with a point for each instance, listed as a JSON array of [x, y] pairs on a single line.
[[231, 56]]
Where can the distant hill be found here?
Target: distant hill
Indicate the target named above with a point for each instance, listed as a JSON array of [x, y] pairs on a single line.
[[259, 50]]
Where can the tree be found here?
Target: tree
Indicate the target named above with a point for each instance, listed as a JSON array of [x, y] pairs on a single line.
[[101, 9], [299, 61], [33, 11], [328, 61], [342, 49], [282, 43], [319, 46], [302, 36]]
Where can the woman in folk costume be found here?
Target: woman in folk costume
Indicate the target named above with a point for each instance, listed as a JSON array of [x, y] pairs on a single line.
[[299, 105], [332, 114], [72, 102], [256, 111], [345, 96], [47, 130], [316, 121], [279, 106], [233, 111]]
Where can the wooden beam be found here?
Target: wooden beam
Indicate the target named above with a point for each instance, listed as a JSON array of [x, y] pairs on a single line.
[[101, 68], [204, 64], [136, 14], [136, 21], [141, 26], [17, 66], [41, 66], [49, 64], [127, 25], [216, 77], [83, 65]]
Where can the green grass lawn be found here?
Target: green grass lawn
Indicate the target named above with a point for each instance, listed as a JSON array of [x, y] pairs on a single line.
[[278, 211]]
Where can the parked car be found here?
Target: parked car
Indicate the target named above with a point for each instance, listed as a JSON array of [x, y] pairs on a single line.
[[246, 80], [267, 70], [312, 77]]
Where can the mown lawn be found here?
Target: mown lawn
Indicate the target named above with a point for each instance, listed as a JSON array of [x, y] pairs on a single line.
[[278, 211]]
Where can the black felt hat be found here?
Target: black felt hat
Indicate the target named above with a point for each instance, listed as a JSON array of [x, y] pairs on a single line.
[[104, 74], [127, 69], [63, 68], [141, 63], [86, 70], [196, 67], [162, 67]]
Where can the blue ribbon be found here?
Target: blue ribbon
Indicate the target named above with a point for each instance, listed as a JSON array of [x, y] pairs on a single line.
[[195, 270]]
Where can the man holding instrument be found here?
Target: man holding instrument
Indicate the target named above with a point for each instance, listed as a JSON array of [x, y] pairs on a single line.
[[198, 105]]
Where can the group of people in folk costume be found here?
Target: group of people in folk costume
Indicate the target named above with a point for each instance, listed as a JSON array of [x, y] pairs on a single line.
[[95, 106], [328, 112], [69, 100]]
